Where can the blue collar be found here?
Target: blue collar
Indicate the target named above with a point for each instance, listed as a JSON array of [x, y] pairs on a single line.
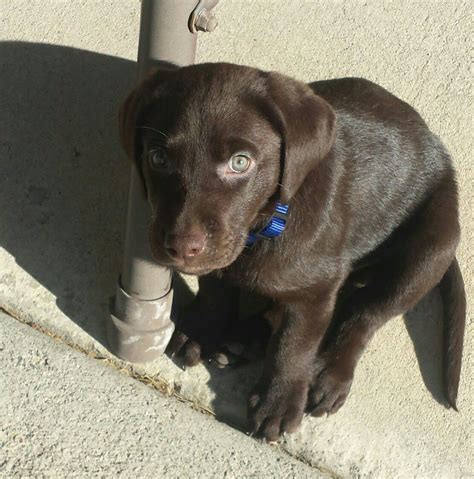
[[275, 226]]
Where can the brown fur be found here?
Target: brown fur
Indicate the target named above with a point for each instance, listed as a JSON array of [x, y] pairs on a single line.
[[373, 222]]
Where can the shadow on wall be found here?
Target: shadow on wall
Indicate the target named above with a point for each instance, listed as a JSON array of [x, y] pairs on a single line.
[[64, 182], [424, 324], [64, 177]]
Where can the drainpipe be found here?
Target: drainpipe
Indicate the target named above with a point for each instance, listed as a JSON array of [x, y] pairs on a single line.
[[139, 327]]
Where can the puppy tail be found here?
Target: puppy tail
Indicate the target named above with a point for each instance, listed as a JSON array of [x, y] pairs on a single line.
[[454, 303]]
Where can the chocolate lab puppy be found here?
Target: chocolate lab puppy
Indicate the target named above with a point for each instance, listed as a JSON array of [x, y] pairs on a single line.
[[332, 199]]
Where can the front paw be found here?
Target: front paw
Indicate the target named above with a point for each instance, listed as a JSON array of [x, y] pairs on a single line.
[[218, 337], [277, 407], [199, 331], [330, 388]]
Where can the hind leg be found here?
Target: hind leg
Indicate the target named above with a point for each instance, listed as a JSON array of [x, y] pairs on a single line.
[[418, 256]]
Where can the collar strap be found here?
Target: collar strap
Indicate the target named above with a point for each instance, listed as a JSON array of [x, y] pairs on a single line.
[[275, 226]]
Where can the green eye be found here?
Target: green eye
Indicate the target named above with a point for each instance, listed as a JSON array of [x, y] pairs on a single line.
[[239, 163], [158, 159]]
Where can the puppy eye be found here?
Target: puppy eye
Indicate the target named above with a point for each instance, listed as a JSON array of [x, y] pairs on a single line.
[[158, 159], [239, 163]]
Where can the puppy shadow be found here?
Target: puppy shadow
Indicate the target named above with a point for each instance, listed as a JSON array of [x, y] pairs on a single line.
[[231, 385], [424, 324], [64, 178]]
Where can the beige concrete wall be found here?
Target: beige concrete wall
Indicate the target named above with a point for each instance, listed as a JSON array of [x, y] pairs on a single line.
[[63, 194], [421, 50]]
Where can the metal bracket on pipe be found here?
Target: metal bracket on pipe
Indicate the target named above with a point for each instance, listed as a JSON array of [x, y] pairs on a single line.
[[202, 19], [146, 332]]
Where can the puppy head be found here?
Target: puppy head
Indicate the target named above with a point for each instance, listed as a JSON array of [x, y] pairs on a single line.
[[217, 145]]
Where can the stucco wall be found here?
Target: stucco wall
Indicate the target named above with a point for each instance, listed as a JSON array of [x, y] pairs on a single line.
[[65, 66]]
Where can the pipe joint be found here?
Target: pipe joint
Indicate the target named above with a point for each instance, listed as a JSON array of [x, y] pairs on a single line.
[[139, 330]]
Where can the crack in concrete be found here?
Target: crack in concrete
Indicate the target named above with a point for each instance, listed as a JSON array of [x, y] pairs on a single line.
[[155, 383]]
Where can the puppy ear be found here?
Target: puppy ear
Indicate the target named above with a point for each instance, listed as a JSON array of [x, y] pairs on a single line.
[[306, 124], [127, 123], [129, 116], [134, 106]]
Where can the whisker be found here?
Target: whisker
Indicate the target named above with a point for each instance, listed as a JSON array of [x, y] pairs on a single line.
[[153, 129]]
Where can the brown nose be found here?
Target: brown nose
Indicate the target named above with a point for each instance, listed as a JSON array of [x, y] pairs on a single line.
[[186, 247]]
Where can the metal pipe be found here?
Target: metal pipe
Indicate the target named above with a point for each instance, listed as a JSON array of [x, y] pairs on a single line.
[[139, 327]]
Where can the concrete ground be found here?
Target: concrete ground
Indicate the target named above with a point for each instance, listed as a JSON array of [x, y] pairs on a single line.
[[64, 67], [64, 413]]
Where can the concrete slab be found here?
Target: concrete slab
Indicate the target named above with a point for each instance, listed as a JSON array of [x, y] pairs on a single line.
[[64, 414], [63, 183]]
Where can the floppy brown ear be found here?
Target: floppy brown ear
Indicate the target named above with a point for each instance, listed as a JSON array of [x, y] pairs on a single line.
[[126, 117], [129, 115], [306, 124], [133, 107]]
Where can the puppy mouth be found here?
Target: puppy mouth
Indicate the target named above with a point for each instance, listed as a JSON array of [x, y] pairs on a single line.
[[193, 270], [215, 258], [208, 264]]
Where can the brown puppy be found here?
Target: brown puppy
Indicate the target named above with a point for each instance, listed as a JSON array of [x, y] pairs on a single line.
[[372, 222]]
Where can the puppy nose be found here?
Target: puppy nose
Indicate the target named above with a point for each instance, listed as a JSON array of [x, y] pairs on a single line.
[[186, 247]]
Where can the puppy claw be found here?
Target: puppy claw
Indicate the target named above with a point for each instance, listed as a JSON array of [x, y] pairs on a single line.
[[222, 360]]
